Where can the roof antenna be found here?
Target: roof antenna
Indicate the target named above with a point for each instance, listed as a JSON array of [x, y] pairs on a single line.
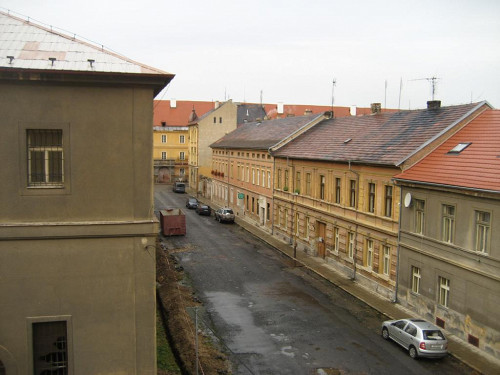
[[334, 83], [432, 80]]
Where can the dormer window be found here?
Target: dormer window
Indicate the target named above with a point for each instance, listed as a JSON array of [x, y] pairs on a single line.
[[459, 148]]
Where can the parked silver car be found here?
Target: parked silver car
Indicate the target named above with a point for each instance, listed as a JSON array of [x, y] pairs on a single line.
[[224, 214], [419, 337]]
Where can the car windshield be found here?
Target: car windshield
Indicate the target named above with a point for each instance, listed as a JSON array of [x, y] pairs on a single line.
[[433, 335]]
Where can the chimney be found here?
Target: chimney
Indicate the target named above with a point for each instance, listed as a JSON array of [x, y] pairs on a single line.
[[434, 104], [280, 108], [173, 103], [308, 112], [353, 110], [217, 104], [376, 107]]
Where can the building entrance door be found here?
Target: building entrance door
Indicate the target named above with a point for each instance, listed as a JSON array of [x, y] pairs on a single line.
[[321, 239]]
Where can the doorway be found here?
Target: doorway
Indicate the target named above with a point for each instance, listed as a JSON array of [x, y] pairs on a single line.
[[321, 235]]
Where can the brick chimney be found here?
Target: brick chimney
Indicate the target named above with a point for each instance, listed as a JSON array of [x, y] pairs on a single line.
[[376, 107], [308, 112], [434, 104]]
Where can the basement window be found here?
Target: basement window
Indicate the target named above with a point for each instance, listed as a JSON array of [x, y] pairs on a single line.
[[459, 148]]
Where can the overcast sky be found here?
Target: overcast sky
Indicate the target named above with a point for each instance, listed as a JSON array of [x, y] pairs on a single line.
[[292, 50]]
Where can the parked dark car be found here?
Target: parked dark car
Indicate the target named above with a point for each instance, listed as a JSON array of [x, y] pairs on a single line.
[[419, 337], [192, 202], [203, 209], [179, 187], [224, 214]]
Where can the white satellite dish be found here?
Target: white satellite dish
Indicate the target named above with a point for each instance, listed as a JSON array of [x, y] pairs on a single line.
[[407, 200]]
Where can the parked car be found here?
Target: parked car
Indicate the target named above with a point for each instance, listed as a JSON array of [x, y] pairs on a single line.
[[203, 209], [179, 187], [419, 337], [192, 202], [224, 214]]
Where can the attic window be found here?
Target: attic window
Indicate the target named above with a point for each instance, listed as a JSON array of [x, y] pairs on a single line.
[[347, 140], [459, 148], [163, 123]]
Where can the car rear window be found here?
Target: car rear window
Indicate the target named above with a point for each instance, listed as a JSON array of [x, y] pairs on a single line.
[[228, 211], [433, 335]]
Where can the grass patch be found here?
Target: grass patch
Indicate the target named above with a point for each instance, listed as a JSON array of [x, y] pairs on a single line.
[[165, 359]]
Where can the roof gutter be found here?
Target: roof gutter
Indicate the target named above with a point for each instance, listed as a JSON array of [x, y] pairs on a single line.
[[429, 141], [435, 184]]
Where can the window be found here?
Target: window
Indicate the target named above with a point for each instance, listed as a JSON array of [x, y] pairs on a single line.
[[181, 155], [263, 178], [163, 138], [220, 120], [482, 231], [253, 204], [444, 291], [182, 171], [411, 329], [287, 182], [322, 182], [308, 184], [369, 254], [268, 212], [269, 179], [297, 222], [215, 120], [336, 239], [182, 139], [278, 178], [285, 219], [45, 157], [388, 201], [297, 182], [337, 190], [419, 216], [238, 170], [415, 279], [371, 197], [448, 223], [350, 252], [352, 199], [459, 148], [50, 347], [163, 155], [306, 228], [253, 176], [248, 174], [386, 260], [258, 177]]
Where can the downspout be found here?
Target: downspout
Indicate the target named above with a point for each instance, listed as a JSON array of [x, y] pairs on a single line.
[[356, 230], [272, 190], [395, 300]]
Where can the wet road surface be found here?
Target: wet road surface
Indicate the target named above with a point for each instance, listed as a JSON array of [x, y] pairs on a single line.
[[276, 318]]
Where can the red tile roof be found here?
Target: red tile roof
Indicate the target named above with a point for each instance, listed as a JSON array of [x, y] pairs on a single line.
[[178, 116], [476, 167], [384, 138]]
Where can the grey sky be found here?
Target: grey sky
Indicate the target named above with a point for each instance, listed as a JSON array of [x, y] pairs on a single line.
[[292, 50]]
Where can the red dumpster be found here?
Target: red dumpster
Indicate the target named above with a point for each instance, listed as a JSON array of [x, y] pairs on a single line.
[[173, 222]]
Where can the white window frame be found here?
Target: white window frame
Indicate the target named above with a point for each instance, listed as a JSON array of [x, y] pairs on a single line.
[[444, 291], [419, 216], [369, 253], [448, 223], [182, 139], [386, 260], [182, 155], [163, 138], [164, 155], [483, 230], [416, 276], [350, 245]]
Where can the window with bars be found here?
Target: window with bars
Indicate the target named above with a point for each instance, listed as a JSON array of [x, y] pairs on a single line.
[[482, 231], [45, 157], [50, 354]]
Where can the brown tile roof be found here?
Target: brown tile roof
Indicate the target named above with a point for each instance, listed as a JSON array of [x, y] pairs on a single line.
[[178, 116], [302, 109], [262, 135], [476, 167], [385, 138]]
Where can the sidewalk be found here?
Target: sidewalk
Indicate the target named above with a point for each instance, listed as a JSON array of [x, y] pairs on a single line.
[[470, 355]]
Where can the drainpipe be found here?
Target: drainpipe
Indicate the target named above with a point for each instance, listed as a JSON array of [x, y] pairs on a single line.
[[395, 300], [356, 230], [272, 190]]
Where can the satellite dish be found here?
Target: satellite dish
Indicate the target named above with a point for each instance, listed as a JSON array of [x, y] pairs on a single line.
[[407, 200]]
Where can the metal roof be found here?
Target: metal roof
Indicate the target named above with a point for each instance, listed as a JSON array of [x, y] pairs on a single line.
[[26, 45]]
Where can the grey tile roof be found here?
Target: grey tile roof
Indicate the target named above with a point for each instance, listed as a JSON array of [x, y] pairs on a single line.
[[385, 138], [262, 134], [249, 113], [32, 46]]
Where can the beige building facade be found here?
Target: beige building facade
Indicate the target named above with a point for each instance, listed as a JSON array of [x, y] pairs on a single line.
[[77, 229], [170, 153]]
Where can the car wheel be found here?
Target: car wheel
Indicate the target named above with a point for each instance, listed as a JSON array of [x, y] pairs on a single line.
[[413, 352], [385, 333]]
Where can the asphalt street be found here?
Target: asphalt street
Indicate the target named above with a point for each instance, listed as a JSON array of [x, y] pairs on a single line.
[[276, 318]]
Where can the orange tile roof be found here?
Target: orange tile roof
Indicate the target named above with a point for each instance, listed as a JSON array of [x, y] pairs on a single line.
[[179, 115], [476, 167]]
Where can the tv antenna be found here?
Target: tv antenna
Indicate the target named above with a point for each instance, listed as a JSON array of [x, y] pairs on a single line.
[[432, 80], [334, 83]]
